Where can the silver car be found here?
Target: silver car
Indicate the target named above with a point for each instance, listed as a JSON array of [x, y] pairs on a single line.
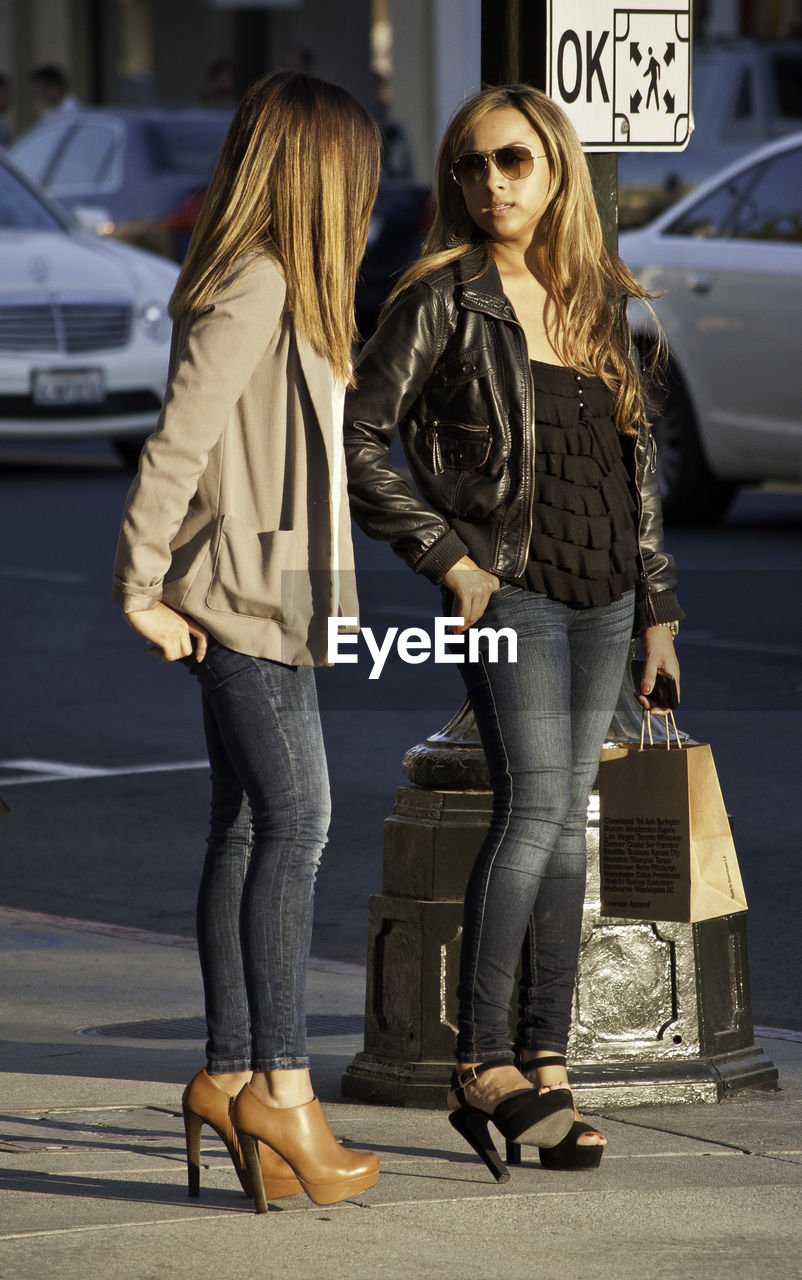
[[726, 263], [745, 92], [139, 175], [84, 329]]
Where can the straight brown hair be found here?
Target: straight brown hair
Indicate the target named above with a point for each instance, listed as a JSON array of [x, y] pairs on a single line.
[[297, 178]]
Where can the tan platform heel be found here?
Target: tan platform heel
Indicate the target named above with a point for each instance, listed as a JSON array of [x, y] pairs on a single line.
[[326, 1170], [205, 1102]]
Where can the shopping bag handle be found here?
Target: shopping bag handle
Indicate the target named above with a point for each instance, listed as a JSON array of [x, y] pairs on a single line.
[[646, 718]]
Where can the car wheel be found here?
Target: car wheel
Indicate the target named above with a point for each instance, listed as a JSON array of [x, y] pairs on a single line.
[[129, 448], [691, 494]]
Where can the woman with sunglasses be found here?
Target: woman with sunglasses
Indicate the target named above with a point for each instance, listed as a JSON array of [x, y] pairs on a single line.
[[504, 360], [233, 552]]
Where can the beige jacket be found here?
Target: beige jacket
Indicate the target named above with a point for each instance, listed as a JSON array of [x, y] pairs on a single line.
[[230, 518]]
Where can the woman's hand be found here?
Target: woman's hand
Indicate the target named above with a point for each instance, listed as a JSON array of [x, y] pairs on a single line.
[[657, 644], [472, 589], [171, 634]]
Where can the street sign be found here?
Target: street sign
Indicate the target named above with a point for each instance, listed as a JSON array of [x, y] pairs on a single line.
[[622, 74]]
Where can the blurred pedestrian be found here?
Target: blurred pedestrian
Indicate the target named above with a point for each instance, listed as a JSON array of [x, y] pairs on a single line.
[[301, 58], [505, 361], [218, 86], [235, 548], [52, 91]]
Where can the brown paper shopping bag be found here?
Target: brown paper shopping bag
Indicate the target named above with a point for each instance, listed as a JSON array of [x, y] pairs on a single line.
[[666, 848]]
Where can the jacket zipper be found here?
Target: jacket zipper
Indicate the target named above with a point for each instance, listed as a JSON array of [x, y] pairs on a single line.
[[651, 462], [523, 546], [531, 506]]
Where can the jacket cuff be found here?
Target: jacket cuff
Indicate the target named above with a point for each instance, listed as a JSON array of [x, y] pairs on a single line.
[[435, 563], [654, 607], [130, 601]]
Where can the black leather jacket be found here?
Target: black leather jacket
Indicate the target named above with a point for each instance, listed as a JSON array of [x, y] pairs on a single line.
[[448, 367]]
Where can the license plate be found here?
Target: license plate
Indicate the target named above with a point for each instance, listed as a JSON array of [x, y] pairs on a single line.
[[68, 386]]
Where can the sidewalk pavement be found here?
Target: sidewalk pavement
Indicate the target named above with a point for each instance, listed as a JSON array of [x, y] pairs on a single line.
[[102, 1028]]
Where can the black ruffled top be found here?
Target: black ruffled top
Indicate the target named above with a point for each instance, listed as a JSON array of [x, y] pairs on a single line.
[[584, 545]]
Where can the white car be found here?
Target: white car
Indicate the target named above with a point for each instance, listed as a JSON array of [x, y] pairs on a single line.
[[745, 92], [727, 264], [84, 329]]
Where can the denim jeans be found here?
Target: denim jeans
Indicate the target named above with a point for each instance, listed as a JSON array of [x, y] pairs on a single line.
[[269, 820], [542, 722]]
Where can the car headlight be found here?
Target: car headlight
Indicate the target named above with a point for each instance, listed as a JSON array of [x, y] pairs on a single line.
[[155, 321]]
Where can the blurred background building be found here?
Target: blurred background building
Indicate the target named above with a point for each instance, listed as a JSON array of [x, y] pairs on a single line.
[[204, 52], [409, 61]]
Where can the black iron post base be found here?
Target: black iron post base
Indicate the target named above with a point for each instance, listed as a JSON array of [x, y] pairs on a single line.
[[662, 1012], [397, 1084], [598, 1085]]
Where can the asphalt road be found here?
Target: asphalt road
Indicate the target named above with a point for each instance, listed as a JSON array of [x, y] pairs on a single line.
[[102, 754]]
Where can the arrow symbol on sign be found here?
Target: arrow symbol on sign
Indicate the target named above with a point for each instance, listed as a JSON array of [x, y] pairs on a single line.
[[669, 101], [634, 53], [670, 54], [635, 100]]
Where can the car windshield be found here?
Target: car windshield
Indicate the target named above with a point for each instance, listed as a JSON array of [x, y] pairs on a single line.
[[188, 147], [710, 216], [20, 209], [762, 202], [772, 209]]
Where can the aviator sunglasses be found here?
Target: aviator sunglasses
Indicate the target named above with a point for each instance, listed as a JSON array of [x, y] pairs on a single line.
[[513, 161]]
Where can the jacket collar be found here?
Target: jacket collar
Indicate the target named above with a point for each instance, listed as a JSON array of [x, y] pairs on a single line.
[[482, 289]]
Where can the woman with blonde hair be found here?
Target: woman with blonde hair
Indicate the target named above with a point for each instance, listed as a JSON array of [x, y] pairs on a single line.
[[504, 360], [234, 550]]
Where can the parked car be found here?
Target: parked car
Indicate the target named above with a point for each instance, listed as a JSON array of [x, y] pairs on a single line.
[[84, 329], [141, 175], [136, 174], [745, 92], [726, 263]]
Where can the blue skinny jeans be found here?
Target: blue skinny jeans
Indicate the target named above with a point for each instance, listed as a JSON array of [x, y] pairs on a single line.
[[269, 820], [542, 722]]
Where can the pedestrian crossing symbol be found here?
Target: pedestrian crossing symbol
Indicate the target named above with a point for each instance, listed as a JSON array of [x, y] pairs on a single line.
[[650, 93], [622, 74]]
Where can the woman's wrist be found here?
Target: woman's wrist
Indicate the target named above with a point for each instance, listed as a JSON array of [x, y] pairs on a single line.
[[672, 627]]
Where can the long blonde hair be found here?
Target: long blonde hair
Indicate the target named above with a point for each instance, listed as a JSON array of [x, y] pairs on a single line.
[[296, 178], [590, 288]]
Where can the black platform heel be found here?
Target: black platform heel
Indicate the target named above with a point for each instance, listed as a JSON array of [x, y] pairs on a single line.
[[473, 1126], [540, 1119], [568, 1155]]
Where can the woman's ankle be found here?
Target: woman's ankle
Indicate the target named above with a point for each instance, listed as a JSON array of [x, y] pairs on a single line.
[[529, 1055], [231, 1081], [553, 1076], [286, 1088], [491, 1086]]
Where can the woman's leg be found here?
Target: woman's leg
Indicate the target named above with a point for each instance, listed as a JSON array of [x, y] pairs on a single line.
[[524, 712], [228, 1046], [265, 733], [598, 641], [266, 746], [522, 715], [270, 792]]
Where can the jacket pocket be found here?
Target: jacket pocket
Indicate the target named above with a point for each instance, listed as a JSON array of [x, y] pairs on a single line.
[[254, 572], [466, 366], [459, 446]]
